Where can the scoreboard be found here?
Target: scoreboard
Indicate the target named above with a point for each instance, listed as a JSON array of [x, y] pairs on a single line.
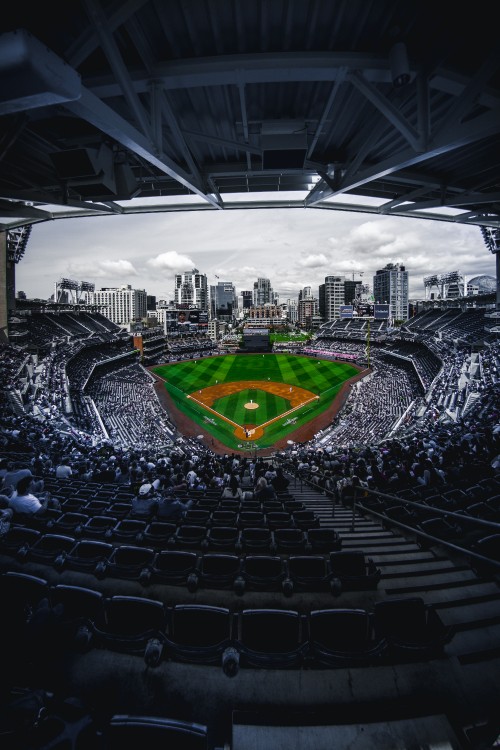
[[365, 310]]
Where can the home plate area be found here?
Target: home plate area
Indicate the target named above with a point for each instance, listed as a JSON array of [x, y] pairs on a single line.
[[296, 397]]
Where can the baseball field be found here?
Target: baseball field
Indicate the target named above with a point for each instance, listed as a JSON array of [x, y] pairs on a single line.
[[253, 400]]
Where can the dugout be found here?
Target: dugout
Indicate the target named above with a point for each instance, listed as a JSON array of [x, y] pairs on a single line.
[[256, 340]]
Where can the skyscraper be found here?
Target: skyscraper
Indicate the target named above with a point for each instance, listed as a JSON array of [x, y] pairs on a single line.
[[223, 300], [332, 297], [262, 292], [390, 286], [191, 288]]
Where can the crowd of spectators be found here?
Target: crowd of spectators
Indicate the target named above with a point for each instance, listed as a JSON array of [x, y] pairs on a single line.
[[391, 432]]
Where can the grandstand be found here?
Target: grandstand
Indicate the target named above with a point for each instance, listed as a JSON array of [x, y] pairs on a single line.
[[256, 619]]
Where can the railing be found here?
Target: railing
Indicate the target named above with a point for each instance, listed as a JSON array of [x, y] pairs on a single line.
[[415, 531]]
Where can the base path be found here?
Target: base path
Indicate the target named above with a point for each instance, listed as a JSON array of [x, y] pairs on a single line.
[[295, 395], [303, 434]]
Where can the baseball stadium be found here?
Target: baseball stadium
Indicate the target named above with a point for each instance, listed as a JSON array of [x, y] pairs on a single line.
[[208, 543]]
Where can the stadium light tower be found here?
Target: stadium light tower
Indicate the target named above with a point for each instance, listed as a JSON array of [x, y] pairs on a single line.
[[491, 237]]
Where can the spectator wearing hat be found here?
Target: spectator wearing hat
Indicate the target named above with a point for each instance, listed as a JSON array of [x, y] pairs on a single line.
[[145, 503]]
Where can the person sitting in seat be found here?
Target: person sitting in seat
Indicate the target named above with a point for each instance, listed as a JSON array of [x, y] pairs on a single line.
[[145, 503], [23, 500], [233, 490], [264, 491], [170, 508]]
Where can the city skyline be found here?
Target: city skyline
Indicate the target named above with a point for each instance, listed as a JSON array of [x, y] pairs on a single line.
[[293, 248]]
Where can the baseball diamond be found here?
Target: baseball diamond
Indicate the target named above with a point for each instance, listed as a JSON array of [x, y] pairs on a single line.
[[236, 400]]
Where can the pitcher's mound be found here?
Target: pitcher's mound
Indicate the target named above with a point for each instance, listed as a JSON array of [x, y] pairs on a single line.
[[251, 405]]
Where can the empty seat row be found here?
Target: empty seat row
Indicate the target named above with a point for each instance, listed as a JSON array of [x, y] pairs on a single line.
[[25, 542], [395, 629], [307, 572]]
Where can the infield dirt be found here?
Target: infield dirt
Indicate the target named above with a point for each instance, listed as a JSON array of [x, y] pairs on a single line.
[[303, 433]]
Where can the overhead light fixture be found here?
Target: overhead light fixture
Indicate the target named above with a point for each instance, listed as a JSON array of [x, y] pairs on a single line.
[[283, 144]]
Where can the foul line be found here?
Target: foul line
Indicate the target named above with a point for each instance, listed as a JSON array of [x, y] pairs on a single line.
[[264, 424]]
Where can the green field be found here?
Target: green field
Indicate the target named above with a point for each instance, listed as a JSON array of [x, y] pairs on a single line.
[[321, 377]]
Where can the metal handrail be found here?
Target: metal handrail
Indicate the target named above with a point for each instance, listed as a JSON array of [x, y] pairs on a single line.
[[495, 527]]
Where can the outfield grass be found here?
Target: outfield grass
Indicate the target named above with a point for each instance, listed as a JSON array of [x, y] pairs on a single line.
[[321, 377]]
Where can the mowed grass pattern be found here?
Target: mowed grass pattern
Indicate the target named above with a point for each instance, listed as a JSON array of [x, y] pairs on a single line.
[[233, 407], [322, 377]]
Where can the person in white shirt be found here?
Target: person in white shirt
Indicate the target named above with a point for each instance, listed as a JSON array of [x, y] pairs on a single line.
[[23, 501]]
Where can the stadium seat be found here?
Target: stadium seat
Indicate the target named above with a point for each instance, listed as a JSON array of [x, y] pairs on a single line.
[[190, 537], [89, 556], [198, 633], [69, 523], [257, 540], [251, 519], [279, 520], [81, 608], [160, 534], [309, 573], [224, 517], [412, 629], [305, 519], [51, 549], [176, 567], [18, 540], [290, 540], [120, 509], [154, 733], [131, 562], [270, 638], [129, 624], [96, 507], [355, 572], [263, 572], [223, 538], [99, 527], [197, 517], [129, 529], [323, 539], [219, 570], [343, 637]]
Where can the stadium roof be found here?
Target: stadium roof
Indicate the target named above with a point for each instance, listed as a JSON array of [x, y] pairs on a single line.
[[376, 106]]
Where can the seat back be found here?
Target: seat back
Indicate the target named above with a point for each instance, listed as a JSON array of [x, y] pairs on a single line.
[[154, 733]]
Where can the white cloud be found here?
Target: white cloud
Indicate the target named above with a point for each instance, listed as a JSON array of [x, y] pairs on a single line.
[[314, 261], [171, 261], [294, 248]]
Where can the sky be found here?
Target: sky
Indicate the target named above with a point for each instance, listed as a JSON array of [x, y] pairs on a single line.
[[293, 247]]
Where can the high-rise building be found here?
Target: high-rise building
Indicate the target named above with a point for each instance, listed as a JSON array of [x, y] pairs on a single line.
[[191, 288], [332, 296], [390, 286], [223, 301], [292, 310], [262, 292], [121, 305], [247, 297], [307, 310]]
